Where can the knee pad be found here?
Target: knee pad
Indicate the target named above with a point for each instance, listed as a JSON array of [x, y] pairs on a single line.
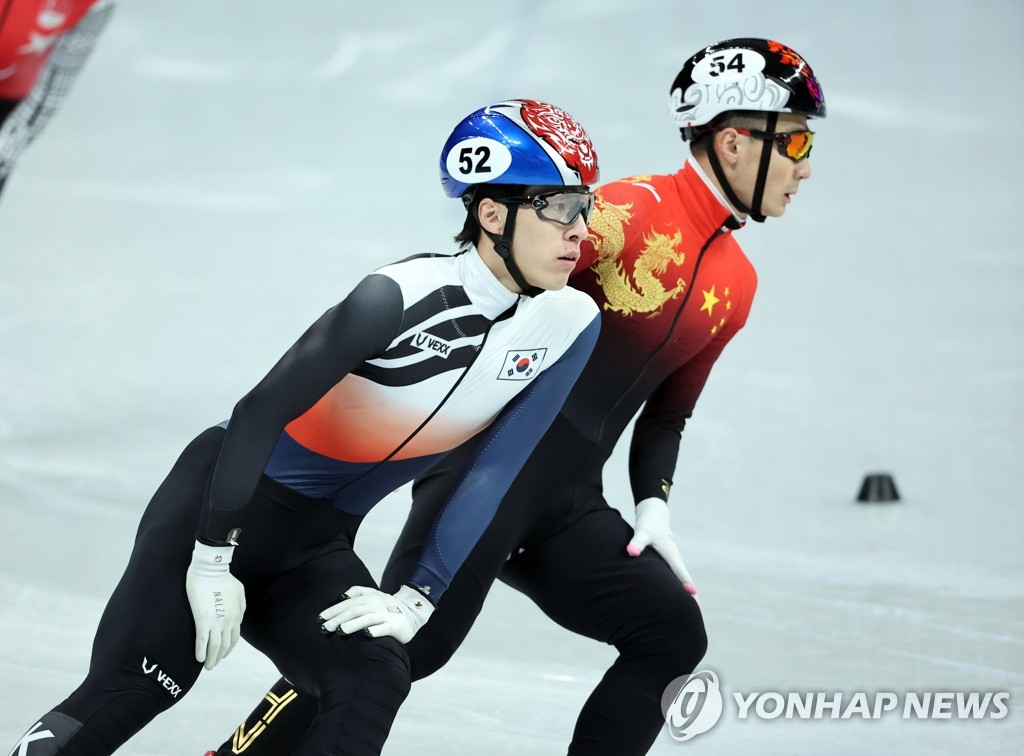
[[380, 672], [358, 709], [48, 736], [672, 636]]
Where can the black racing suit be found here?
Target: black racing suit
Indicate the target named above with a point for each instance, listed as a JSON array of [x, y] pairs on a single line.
[[424, 356]]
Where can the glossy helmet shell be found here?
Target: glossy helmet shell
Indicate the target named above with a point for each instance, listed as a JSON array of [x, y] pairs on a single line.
[[523, 142], [746, 74]]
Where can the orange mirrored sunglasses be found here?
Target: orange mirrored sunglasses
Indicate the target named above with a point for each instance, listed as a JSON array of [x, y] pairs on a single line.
[[796, 145]]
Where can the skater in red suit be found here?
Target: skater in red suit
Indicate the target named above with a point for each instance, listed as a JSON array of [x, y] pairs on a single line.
[[674, 288]]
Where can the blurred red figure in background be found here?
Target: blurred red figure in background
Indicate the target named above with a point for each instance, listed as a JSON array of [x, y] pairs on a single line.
[[43, 45]]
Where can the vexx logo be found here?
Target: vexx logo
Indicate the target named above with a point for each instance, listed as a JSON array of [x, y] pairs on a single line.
[[152, 670]]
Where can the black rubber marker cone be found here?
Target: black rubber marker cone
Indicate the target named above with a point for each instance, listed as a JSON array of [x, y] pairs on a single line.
[[878, 487]]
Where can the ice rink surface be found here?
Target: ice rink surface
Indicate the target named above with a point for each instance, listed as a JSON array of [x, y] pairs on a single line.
[[223, 172]]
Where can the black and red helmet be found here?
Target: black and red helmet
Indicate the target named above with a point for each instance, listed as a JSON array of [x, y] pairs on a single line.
[[746, 74]]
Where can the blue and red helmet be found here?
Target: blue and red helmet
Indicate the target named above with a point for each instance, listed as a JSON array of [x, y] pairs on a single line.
[[520, 142]]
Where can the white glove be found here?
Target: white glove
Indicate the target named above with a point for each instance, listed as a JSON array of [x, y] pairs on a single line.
[[217, 599], [652, 529], [378, 613]]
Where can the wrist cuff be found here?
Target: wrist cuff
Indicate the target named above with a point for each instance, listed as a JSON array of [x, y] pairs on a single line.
[[231, 540], [419, 591]]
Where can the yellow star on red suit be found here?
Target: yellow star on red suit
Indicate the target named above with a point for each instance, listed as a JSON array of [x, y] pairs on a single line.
[[710, 300]]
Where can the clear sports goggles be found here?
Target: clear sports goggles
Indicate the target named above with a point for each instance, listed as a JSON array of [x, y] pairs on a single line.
[[560, 207]]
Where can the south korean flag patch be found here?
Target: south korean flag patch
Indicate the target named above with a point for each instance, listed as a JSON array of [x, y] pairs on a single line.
[[521, 364]]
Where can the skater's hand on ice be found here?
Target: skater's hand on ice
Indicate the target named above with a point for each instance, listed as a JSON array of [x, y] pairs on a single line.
[[217, 599], [652, 529], [378, 614]]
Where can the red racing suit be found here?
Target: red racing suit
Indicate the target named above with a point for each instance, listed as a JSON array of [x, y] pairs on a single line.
[[29, 30], [673, 287]]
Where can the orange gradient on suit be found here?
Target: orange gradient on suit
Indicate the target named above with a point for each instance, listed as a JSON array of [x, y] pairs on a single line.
[[360, 421]]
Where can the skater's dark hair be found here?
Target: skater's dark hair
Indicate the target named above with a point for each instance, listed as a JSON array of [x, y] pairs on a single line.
[[469, 236]]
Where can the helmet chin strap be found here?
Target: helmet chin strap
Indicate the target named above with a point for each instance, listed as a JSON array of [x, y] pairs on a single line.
[[503, 246], [762, 175]]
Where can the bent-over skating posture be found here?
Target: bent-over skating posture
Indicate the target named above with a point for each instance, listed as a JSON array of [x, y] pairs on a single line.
[[673, 287], [252, 530]]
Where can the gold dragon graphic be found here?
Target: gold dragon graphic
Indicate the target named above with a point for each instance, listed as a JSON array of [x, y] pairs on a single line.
[[645, 293]]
